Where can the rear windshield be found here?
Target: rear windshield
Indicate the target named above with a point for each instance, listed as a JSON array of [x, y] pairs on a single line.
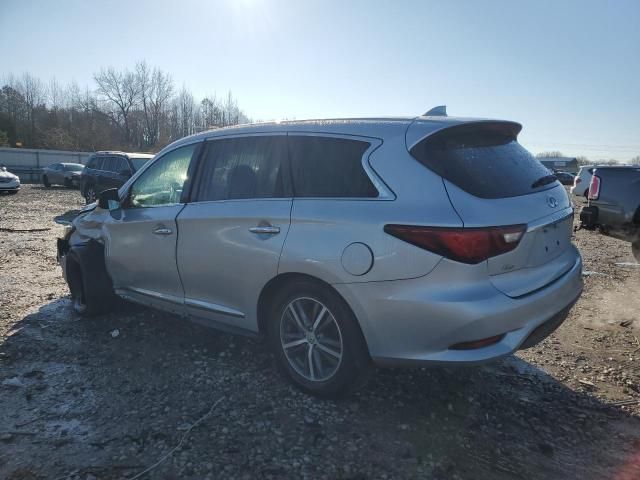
[[484, 159], [138, 162]]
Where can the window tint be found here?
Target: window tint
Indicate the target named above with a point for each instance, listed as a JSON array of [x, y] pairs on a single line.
[[483, 159], [138, 162], [121, 164], [93, 163], [329, 167], [108, 164], [162, 183], [55, 166], [247, 167]]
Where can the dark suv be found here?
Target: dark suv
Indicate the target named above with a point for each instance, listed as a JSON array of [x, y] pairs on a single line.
[[106, 170]]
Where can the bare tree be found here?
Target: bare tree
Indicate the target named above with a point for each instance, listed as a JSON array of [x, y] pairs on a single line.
[[120, 92], [551, 154], [33, 91], [635, 160], [156, 88]]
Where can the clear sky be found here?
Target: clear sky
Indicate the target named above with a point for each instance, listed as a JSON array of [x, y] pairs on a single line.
[[568, 70]]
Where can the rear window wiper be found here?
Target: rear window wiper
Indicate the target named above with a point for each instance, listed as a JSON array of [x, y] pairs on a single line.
[[544, 181]]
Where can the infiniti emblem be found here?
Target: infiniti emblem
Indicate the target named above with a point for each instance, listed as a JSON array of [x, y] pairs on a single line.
[[552, 202]]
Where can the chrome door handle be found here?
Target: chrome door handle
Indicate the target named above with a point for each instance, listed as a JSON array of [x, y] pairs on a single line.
[[269, 230], [163, 231]]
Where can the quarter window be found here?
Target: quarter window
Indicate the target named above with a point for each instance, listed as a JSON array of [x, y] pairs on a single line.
[[329, 167], [162, 183], [245, 167]]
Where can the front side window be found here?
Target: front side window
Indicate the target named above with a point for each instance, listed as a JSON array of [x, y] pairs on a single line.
[[162, 183], [245, 167], [329, 167]]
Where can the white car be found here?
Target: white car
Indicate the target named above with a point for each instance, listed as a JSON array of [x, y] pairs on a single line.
[[581, 183], [8, 181]]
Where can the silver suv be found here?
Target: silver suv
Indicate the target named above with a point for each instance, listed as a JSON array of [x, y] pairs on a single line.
[[345, 243]]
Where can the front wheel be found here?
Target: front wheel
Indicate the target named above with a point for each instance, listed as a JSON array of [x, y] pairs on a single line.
[[635, 249], [45, 181], [89, 284], [317, 341]]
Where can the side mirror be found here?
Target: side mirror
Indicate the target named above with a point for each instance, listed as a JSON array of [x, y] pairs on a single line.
[[108, 199]]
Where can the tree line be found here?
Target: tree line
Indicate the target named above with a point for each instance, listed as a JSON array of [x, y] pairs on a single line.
[[132, 109], [586, 161]]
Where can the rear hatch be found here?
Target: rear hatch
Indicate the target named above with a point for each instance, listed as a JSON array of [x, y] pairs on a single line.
[[492, 180]]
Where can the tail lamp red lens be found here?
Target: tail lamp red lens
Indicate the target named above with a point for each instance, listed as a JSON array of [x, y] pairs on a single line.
[[594, 188], [466, 245]]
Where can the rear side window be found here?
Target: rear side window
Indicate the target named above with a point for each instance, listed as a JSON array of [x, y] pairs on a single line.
[[483, 159], [244, 167], [96, 163], [329, 167], [121, 165]]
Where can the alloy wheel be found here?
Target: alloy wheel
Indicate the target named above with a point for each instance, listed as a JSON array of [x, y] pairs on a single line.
[[311, 339]]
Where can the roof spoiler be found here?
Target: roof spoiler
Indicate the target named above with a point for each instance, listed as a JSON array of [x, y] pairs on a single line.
[[439, 111]]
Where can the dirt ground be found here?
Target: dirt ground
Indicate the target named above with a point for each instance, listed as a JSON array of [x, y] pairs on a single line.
[[108, 397]]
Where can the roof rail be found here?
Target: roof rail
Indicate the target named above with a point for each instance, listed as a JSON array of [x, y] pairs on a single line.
[[439, 111]]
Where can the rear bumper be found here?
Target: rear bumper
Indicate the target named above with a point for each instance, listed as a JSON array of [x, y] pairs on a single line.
[[415, 322]]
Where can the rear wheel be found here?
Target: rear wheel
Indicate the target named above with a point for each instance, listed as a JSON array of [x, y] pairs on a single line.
[[67, 183], [635, 249], [13, 192], [317, 341], [45, 181], [90, 195]]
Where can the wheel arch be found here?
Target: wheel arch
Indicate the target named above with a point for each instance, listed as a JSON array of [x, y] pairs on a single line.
[[280, 281]]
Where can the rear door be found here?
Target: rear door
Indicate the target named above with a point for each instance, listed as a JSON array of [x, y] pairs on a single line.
[[142, 235], [493, 181], [233, 230]]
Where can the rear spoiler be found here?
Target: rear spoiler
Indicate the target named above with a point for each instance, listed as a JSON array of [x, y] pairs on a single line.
[[422, 128]]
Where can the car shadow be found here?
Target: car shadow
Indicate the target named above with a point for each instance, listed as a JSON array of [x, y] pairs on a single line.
[[107, 396]]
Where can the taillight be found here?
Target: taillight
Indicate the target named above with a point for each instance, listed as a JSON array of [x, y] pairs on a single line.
[[578, 180], [466, 245], [594, 188]]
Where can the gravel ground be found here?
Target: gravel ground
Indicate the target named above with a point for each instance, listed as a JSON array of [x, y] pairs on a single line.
[[80, 402]]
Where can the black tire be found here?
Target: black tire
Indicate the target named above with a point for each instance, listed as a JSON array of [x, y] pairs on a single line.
[[353, 369], [13, 192], [67, 183], [635, 249], [89, 283], [45, 181], [586, 194]]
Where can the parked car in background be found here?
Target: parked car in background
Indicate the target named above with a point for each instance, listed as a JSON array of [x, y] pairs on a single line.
[[106, 170], [9, 182], [343, 242], [614, 204], [581, 182], [67, 174], [565, 178]]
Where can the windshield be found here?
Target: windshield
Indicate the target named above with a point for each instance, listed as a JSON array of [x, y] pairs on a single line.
[[138, 162], [73, 167]]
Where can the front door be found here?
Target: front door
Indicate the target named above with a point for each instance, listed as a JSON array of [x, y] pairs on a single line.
[[140, 245], [233, 230]]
